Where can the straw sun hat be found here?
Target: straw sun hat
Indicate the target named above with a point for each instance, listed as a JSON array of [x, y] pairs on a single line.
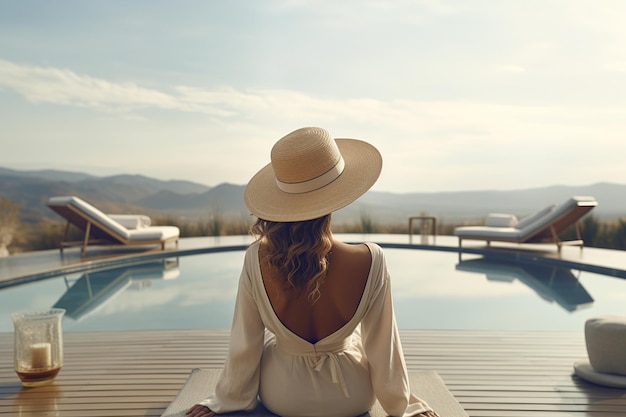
[[311, 175]]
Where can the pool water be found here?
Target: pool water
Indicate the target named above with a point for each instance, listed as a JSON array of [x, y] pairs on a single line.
[[431, 290]]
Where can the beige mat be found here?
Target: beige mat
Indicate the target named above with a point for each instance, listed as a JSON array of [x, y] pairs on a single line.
[[425, 384]]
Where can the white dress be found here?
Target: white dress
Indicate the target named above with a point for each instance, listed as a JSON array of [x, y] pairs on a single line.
[[340, 375]]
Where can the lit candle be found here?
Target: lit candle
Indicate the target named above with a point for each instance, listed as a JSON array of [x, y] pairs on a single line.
[[41, 355]]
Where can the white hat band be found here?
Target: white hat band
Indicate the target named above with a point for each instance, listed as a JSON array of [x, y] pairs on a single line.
[[315, 183]]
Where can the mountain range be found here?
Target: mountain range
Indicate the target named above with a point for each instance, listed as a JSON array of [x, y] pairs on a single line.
[[141, 194]]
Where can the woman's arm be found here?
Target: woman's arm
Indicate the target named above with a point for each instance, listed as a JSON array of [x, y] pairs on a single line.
[[238, 384], [383, 348]]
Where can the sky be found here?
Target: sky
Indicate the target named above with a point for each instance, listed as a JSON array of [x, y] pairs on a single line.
[[457, 95]]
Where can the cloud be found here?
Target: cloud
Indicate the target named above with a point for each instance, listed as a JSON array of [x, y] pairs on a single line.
[[67, 88], [469, 137], [447, 120], [615, 67], [458, 123], [61, 86]]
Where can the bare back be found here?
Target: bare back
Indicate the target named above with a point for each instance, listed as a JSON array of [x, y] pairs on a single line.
[[346, 277]]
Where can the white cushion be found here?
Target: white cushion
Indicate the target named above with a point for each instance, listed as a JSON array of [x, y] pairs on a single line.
[[510, 234], [90, 211], [153, 233], [606, 344], [501, 220], [132, 221], [530, 219], [583, 369]]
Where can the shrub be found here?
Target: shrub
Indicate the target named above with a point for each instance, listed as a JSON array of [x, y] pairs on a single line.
[[9, 222]]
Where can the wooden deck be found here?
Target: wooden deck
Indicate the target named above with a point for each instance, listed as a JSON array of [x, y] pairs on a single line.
[[138, 373], [499, 374]]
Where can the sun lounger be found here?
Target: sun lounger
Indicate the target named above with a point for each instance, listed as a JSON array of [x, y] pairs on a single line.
[[93, 290], [552, 283], [103, 229], [544, 226]]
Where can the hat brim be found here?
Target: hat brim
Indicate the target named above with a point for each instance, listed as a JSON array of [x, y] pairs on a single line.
[[584, 370], [266, 201]]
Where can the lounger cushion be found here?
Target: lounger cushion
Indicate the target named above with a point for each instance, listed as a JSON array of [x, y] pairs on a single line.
[[552, 215], [501, 220], [530, 219], [487, 233], [90, 211], [153, 233], [131, 221]]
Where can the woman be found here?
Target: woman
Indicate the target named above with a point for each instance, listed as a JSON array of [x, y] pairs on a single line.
[[314, 332]]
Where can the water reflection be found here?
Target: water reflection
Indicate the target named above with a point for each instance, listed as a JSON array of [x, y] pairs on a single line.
[[92, 290], [429, 291], [553, 284]]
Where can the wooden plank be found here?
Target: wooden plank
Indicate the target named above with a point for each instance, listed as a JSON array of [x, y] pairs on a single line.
[[503, 374]]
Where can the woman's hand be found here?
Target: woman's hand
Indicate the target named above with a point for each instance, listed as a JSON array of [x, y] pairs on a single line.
[[428, 413], [200, 411]]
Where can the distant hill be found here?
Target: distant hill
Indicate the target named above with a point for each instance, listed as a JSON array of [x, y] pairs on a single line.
[[224, 197], [50, 174], [119, 193], [475, 205], [137, 193]]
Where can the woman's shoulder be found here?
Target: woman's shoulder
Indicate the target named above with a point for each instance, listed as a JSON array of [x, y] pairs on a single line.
[[253, 247], [374, 248], [350, 249], [358, 250], [358, 256], [252, 254]]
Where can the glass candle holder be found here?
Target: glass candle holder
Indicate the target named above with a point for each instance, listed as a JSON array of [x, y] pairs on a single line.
[[38, 346]]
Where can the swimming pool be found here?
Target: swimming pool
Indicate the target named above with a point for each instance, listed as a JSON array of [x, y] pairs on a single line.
[[431, 290]]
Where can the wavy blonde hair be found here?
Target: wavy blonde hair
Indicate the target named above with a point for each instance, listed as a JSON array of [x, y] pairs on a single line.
[[298, 250]]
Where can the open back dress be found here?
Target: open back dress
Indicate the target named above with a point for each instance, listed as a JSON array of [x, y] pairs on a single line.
[[340, 375]]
